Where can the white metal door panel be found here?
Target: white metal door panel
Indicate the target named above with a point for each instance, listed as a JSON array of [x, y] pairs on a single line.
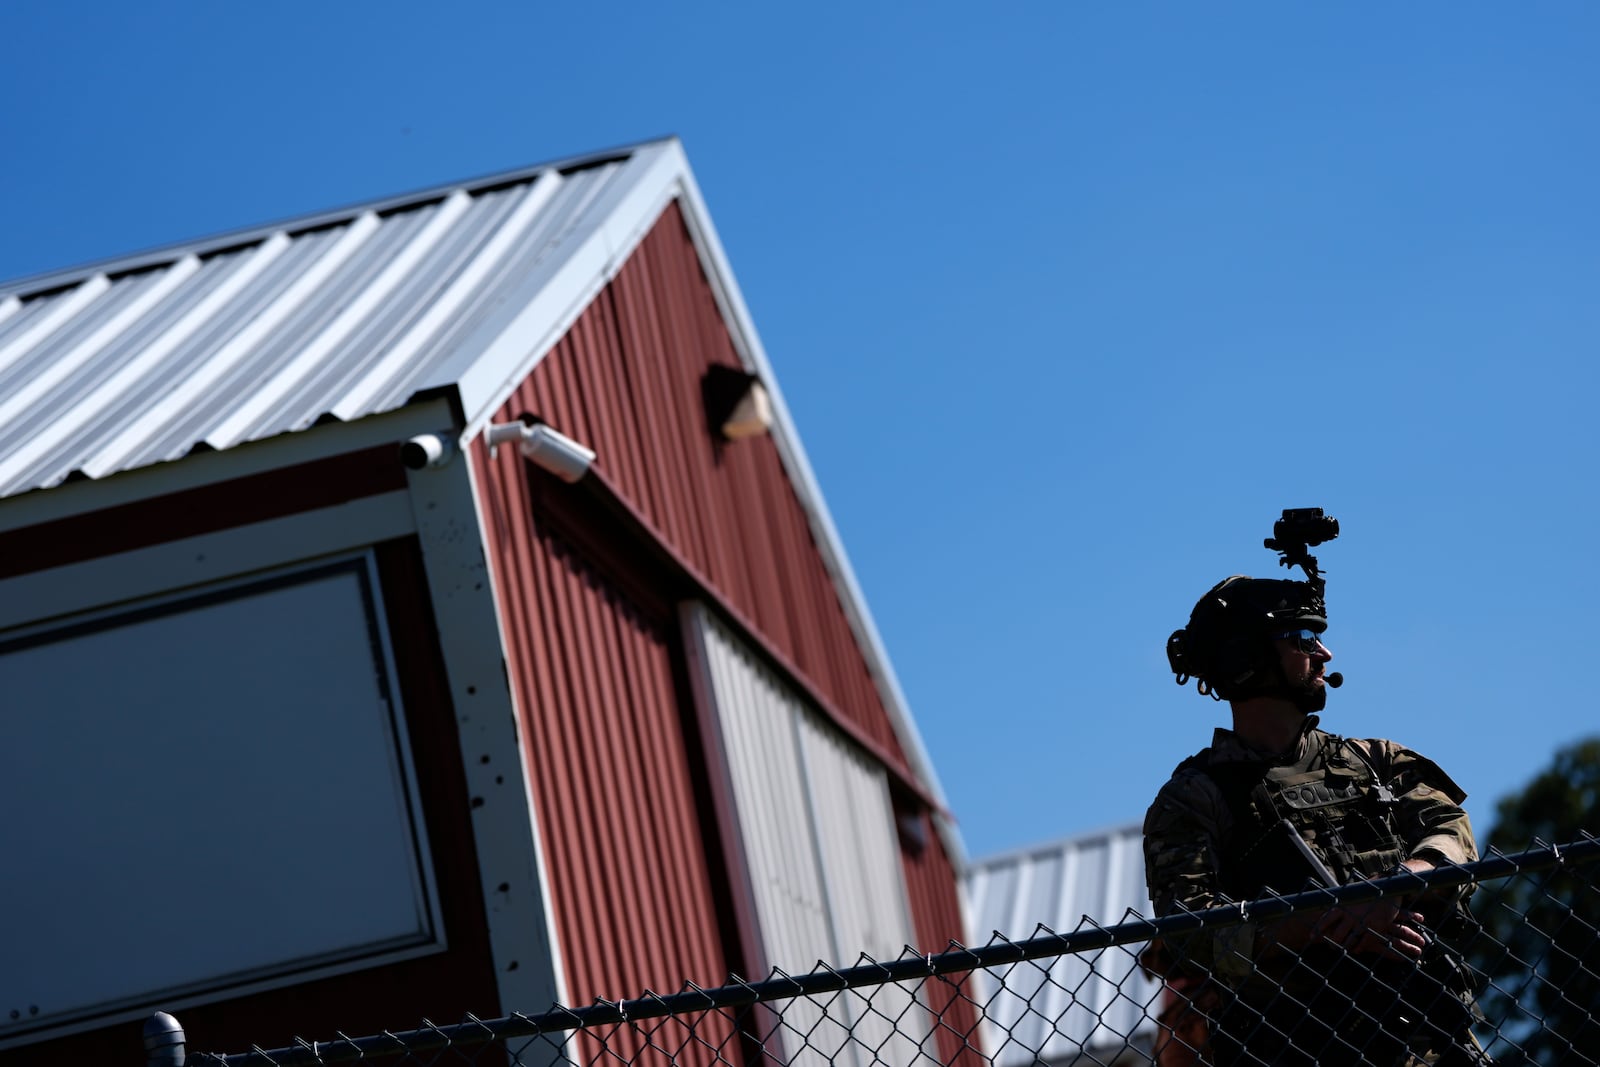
[[756, 715], [866, 890], [818, 833], [857, 842]]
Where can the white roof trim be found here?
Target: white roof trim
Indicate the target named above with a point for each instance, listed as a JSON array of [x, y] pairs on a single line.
[[210, 468], [492, 362]]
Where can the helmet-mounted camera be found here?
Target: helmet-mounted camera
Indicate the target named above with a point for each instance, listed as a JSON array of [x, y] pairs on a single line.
[[1299, 529]]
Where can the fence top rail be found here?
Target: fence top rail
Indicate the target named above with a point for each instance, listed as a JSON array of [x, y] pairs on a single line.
[[912, 966]]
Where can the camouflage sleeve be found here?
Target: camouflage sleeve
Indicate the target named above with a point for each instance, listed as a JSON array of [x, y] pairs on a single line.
[[1430, 816], [1181, 833], [1182, 830]]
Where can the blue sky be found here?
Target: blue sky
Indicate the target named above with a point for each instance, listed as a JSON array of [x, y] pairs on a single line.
[[1068, 301]]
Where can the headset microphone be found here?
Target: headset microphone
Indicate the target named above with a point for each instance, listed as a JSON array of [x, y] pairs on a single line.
[[1335, 679]]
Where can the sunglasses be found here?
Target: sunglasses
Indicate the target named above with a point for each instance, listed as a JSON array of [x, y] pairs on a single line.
[[1307, 641]]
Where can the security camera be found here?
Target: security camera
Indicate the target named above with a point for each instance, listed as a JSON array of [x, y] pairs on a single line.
[[554, 451]]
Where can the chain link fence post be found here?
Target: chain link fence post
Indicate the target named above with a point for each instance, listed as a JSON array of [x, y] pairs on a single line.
[[163, 1041]]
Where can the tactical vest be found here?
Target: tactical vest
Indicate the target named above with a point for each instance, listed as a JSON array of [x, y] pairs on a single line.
[[1334, 800], [1342, 808]]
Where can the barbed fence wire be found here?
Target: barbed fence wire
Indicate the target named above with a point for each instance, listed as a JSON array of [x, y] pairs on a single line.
[[1512, 979]]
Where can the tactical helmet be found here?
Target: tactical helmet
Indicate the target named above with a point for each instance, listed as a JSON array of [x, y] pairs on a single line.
[[1227, 646]]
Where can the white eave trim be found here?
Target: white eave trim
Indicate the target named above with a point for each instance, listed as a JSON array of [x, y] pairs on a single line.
[[209, 468]]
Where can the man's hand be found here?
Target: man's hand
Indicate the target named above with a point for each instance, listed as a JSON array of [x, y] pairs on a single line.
[[1378, 928]]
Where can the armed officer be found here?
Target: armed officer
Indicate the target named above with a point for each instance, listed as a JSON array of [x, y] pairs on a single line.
[[1276, 805]]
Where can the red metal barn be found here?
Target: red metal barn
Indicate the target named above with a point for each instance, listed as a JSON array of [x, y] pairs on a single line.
[[341, 690]]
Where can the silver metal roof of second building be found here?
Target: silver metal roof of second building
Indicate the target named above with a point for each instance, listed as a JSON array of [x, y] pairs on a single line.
[[1054, 1011]]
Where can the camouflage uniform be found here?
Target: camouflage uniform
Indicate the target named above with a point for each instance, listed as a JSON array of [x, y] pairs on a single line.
[[1215, 835]]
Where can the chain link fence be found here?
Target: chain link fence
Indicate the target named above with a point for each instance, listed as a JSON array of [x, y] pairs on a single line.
[[1514, 977]]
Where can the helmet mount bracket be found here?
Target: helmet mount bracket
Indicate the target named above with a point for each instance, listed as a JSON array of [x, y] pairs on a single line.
[[1297, 531]]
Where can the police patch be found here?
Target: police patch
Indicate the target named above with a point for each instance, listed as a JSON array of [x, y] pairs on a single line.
[[1318, 794]]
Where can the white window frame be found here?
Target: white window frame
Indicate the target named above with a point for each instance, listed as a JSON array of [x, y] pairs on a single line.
[[233, 563]]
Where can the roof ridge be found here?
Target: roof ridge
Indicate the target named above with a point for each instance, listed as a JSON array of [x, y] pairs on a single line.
[[34, 285]]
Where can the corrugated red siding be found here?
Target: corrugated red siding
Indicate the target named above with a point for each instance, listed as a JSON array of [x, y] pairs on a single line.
[[626, 382], [609, 756], [936, 914]]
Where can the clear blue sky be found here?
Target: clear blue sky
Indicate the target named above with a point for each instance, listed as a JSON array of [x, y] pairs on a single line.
[[1068, 301]]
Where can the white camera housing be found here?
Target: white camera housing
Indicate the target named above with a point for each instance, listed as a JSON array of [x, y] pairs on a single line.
[[554, 451]]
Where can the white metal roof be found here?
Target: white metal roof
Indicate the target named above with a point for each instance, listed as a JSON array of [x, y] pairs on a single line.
[[235, 339], [1052, 1010], [459, 290]]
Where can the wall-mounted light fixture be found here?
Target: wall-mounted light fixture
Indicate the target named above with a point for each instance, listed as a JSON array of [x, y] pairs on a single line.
[[555, 452], [737, 404]]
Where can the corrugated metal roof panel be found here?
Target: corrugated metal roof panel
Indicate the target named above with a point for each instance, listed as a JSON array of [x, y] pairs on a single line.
[[1077, 1003], [119, 368]]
